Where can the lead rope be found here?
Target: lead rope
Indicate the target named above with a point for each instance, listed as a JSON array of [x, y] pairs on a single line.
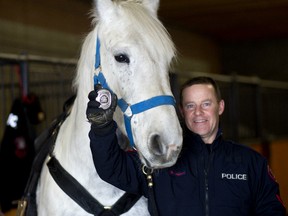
[[148, 173]]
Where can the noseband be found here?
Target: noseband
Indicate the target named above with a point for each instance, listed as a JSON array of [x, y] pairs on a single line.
[[127, 109]]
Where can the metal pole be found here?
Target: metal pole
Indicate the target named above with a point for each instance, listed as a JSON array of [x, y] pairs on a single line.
[[24, 77]]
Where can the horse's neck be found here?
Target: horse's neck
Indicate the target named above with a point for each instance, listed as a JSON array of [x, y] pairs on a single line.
[[72, 141]]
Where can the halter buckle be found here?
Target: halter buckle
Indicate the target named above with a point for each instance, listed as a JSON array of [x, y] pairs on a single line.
[[128, 111], [97, 70]]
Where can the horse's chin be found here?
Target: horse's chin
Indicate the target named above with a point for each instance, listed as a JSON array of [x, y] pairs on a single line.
[[157, 162]]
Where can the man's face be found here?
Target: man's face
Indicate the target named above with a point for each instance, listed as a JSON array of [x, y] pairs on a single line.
[[201, 110]]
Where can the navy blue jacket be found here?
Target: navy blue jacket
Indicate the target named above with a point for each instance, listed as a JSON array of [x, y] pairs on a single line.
[[226, 179]]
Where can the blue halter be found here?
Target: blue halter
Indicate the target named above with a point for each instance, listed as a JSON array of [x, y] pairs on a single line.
[[129, 110]]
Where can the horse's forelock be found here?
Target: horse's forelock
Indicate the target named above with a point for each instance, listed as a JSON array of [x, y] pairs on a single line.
[[85, 62]]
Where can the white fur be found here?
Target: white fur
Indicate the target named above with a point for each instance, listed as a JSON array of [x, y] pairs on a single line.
[[132, 28]]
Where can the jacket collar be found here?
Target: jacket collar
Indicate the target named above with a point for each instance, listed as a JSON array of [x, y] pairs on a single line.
[[194, 140]]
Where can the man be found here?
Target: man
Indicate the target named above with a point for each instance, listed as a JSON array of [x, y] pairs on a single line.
[[212, 177]]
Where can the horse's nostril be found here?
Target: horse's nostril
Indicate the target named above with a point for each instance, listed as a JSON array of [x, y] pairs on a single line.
[[156, 145]]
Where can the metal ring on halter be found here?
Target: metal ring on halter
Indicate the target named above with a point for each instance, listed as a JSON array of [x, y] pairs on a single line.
[[146, 170], [97, 70]]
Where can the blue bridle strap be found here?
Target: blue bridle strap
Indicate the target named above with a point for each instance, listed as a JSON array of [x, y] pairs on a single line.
[[152, 102], [97, 54], [100, 79], [141, 107], [129, 110]]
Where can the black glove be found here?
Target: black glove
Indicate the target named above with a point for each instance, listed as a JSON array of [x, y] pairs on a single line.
[[100, 118]]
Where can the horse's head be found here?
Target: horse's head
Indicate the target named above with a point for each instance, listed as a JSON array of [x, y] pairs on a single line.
[[136, 52]]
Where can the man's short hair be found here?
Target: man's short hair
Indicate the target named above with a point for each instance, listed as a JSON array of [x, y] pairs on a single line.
[[200, 80]]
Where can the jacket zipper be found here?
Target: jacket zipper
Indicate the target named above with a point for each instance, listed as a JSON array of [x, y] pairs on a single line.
[[206, 193], [206, 173]]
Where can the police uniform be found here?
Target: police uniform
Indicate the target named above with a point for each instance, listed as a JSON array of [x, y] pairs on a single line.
[[223, 178]]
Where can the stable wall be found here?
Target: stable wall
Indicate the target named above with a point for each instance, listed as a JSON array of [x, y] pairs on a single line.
[[56, 28], [267, 59], [46, 28], [196, 53]]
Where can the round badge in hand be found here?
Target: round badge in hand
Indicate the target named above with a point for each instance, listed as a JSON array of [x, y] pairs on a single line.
[[104, 98]]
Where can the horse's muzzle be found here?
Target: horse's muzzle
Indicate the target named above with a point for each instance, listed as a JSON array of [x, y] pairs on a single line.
[[161, 154]]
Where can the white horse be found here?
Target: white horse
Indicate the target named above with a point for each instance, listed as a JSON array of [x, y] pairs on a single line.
[[135, 51]]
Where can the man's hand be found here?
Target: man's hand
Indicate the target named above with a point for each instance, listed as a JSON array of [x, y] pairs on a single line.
[[96, 115]]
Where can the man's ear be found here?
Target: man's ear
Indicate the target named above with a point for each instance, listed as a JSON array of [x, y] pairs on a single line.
[[221, 107]]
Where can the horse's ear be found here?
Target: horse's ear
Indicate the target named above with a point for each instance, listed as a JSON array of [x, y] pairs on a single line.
[[104, 8], [151, 5]]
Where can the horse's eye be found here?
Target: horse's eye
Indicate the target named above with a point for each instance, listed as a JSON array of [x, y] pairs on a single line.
[[122, 58]]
